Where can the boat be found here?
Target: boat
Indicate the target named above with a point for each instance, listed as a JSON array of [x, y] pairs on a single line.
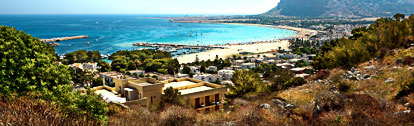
[[87, 43], [96, 39]]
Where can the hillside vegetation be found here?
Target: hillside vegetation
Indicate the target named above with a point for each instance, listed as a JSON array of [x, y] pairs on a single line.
[[342, 8]]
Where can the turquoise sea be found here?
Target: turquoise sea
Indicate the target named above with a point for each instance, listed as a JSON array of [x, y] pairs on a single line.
[[110, 33]]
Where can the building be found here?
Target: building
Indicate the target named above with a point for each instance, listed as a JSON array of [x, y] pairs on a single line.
[[138, 72], [239, 62], [108, 77], [194, 69], [248, 65], [225, 74], [212, 68], [206, 77], [145, 90], [90, 67], [204, 97]]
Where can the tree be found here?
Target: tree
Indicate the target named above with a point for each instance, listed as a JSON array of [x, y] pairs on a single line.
[[399, 16], [131, 65], [171, 96], [27, 64], [245, 82], [97, 82], [104, 66]]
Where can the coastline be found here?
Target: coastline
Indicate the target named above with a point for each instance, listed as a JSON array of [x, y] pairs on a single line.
[[254, 47]]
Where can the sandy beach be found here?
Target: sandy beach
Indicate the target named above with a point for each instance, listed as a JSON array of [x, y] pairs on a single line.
[[256, 47], [233, 50]]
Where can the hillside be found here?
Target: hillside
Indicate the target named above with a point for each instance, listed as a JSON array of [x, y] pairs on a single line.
[[341, 8]]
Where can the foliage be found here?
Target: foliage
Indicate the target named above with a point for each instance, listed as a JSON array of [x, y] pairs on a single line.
[[245, 82], [97, 82], [219, 63], [177, 116], [406, 88], [104, 66], [28, 67], [27, 64], [82, 56], [87, 105], [28, 111], [171, 96], [148, 60], [366, 43], [284, 79]]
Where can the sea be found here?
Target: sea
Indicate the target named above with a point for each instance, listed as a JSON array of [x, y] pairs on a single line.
[[111, 33]]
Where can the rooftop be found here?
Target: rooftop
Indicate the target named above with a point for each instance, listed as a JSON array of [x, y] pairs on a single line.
[[178, 84], [111, 74], [195, 89]]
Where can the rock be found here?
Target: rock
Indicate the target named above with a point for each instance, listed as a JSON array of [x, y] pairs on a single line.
[[265, 106], [404, 112], [327, 101], [389, 80], [290, 106], [407, 104], [282, 104], [399, 61], [332, 88], [367, 76], [369, 67]]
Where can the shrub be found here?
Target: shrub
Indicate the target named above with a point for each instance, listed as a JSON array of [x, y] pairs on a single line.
[[177, 116], [27, 111], [322, 74], [406, 88], [245, 82], [408, 60], [326, 102], [135, 116], [141, 75], [250, 115], [343, 87]]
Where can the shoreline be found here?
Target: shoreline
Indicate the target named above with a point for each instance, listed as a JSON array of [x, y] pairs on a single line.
[[254, 47]]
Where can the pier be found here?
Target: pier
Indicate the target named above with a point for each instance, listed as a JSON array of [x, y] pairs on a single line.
[[63, 38]]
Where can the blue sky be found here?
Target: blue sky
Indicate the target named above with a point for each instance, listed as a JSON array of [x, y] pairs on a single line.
[[136, 6]]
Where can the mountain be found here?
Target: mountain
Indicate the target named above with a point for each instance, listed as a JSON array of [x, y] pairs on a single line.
[[341, 8]]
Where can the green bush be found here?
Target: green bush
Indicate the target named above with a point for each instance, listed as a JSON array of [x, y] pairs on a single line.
[[245, 82]]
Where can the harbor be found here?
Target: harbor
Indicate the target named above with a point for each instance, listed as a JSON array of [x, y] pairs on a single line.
[[177, 49]]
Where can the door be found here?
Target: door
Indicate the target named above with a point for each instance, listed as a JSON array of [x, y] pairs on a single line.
[[207, 101], [197, 102]]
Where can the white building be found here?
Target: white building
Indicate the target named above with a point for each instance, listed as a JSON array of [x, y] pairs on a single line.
[[138, 72], [206, 77], [91, 67], [248, 65], [212, 68], [225, 74], [195, 70]]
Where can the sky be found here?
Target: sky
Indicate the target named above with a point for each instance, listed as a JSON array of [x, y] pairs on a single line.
[[136, 6]]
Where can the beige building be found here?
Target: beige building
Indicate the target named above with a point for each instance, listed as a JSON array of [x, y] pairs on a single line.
[[203, 96]]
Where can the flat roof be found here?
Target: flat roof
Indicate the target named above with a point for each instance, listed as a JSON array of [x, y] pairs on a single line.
[[109, 96], [178, 84], [195, 90]]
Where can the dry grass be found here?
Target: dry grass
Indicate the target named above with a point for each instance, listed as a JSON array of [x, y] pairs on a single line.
[[27, 111]]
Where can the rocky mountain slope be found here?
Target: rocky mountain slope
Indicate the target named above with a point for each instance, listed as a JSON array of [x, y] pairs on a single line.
[[341, 8]]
